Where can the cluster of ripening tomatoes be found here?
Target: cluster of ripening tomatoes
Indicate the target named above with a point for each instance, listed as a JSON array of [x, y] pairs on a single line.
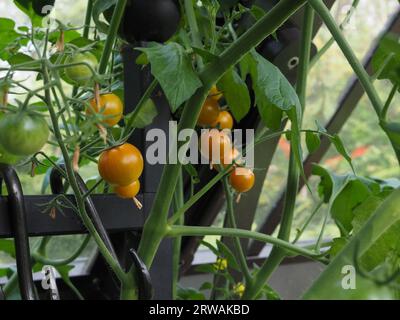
[[216, 143], [122, 166]]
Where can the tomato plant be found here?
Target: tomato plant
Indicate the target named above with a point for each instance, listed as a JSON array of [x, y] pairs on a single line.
[[203, 60]]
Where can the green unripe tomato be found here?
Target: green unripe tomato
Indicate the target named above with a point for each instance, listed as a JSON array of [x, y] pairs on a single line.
[[23, 134], [81, 74]]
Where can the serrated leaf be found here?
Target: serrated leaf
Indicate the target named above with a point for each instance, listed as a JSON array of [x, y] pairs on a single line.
[[387, 244], [8, 38], [271, 88], [339, 145], [313, 141], [19, 58], [26, 7], [44, 165], [173, 69], [388, 50], [344, 193], [145, 116], [330, 283], [236, 93], [98, 8], [7, 246], [206, 55], [275, 95], [337, 246]]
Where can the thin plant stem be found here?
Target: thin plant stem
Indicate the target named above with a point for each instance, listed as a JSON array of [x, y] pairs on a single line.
[[278, 254]]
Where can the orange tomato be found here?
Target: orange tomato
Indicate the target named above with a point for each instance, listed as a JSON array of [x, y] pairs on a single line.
[[242, 179], [110, 107], [215, 145], [121, 165], [128, 192], [209, 113], [224, 121], [214, 93]]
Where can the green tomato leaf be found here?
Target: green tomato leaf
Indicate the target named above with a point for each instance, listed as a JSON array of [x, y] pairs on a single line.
[[19, 58], [98, 8], [206, 55], [344, 193], [9, 44], [173, 69], [275, 96], [330, 283], [43, 166], [388, 52], [236, 93], [388, 243], [26, 7], [337, 246], [393, 131], [338, 143], [272, 89], [145, 116], [7, 246], [313, 141]]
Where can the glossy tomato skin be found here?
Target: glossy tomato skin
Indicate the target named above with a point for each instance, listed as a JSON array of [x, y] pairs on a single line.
[[128, 192], [121, 165], [81, 74], [209, 113], [148, 20], [242, 179], [111, 108], [224, 121], [215, 94], [23, 134], [42, 7]]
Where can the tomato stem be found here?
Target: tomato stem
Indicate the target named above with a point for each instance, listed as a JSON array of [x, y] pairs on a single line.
[[174, 231], [156, 226], [112, 34], [358, 68], [278, 253], [231, 222]]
